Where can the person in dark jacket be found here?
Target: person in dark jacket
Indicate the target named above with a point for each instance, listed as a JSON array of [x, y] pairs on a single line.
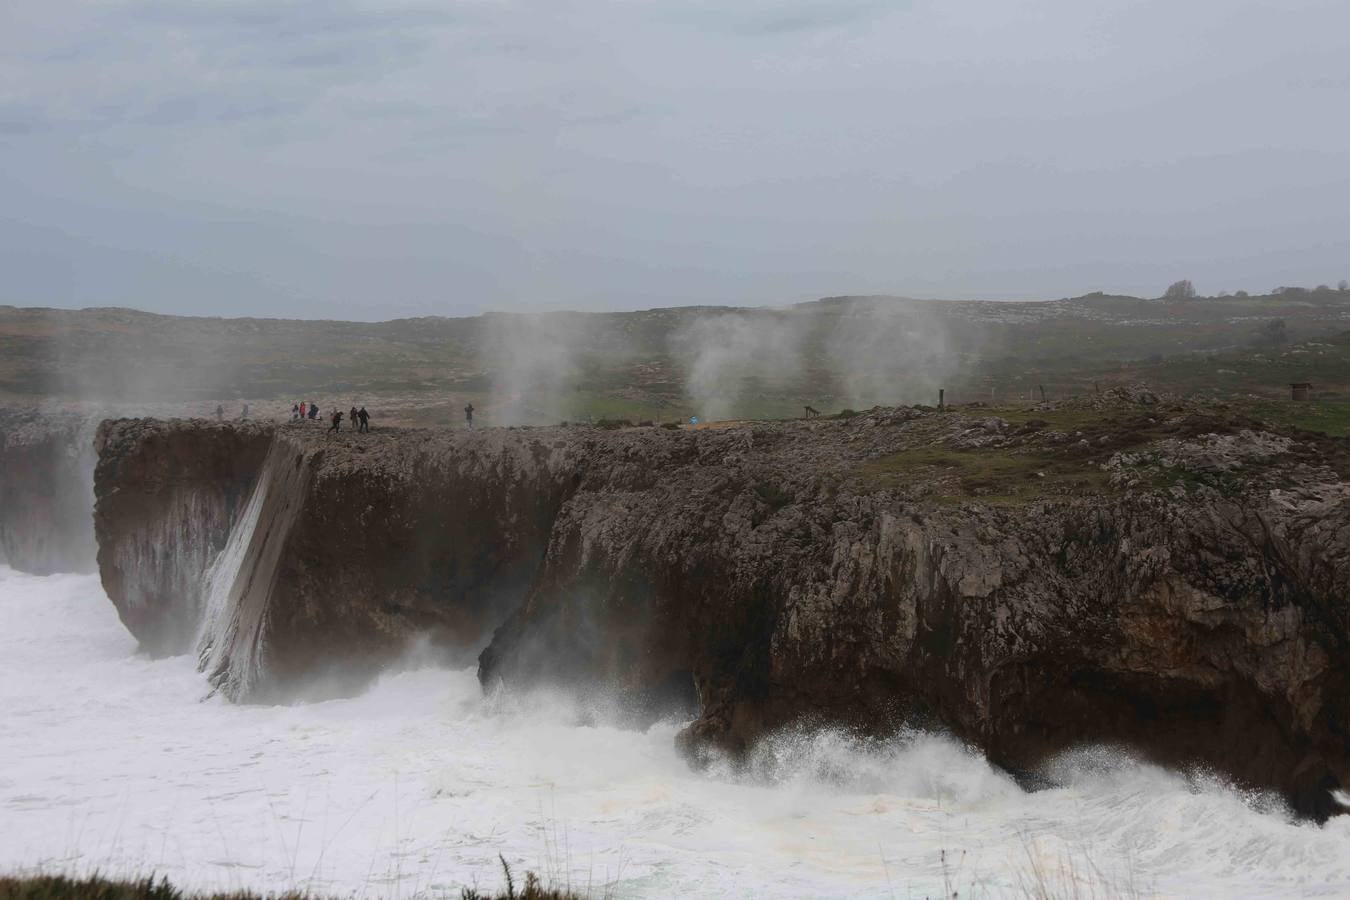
[[468, 414], [337, 421], [365, 419], [314, 410]]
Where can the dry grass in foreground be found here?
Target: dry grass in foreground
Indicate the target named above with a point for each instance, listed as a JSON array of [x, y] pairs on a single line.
[[94, 887]]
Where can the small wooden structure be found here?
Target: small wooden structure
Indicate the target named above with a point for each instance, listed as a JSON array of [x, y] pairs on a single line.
[[1302, 390]]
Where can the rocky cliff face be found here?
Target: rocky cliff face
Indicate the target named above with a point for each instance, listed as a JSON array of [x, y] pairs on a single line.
[[46, 491], [1158, 576], [167, 499], [293, 561]]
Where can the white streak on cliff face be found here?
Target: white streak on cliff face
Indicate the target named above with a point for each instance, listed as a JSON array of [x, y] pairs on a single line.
[[239, 584], [221, 613]]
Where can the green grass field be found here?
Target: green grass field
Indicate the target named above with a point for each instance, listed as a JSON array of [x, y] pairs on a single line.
[[666, 365]]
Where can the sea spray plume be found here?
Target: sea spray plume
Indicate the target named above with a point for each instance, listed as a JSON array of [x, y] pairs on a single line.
[[641, 690], [534, 365], [47, 481], [862, 351], [123, 356], [886, 351], [730, 357], [910, 762]]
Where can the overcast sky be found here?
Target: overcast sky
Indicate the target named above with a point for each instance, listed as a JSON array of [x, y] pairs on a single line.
[[371, 160]]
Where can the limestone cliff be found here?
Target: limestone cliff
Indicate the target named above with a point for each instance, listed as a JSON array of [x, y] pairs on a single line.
[[1169, 581], [166, 501], [281, 555], [1159, 576]]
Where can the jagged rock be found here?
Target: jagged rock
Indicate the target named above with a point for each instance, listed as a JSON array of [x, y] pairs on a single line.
[[345, 548], [896, 566], [166, 498]]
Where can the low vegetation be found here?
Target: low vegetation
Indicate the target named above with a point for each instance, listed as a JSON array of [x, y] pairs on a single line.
[[95, 887], [626, 366], [1010, 455], [991, 477]]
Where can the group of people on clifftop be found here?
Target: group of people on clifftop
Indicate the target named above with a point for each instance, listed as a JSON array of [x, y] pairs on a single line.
[[304, 410], [359, 418], [308, 410]]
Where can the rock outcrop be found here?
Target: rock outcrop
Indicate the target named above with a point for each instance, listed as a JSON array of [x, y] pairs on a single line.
[[46, 491], [166, 501], [289, 559], [1167, 578]]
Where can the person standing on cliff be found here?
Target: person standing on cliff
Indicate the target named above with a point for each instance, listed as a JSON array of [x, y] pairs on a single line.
[[337, 421], [365, 419], [314, 410], [468, 414], [220, 412], [353, 418], [304, 408], [295, 412]]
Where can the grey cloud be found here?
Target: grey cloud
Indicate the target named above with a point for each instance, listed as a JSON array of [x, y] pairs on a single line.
[[531, 154], [17, 120], [173, 111], [779, 17], [280, 19], [811, 17]]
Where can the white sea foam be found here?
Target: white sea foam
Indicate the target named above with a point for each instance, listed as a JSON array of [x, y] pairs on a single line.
[[112, 761]]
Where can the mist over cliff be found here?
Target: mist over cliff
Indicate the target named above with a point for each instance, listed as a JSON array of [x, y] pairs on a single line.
[[863, 353], [669, 364], [47, 490]]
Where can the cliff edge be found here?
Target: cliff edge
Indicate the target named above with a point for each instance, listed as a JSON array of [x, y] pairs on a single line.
[[1128, 570]]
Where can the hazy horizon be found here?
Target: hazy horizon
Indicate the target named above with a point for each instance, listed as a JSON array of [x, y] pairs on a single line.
[[369, 161], [768, 307]]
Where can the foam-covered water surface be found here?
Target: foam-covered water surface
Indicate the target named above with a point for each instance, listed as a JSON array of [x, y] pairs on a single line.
[[115, 762]]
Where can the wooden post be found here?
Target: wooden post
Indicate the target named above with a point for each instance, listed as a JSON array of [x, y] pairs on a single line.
[[941, 398], [1042, 387]]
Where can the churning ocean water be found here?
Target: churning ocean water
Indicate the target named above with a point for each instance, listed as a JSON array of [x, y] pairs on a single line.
[[114, 762]]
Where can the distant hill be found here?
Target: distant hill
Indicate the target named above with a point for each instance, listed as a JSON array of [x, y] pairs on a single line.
[[716, 361]]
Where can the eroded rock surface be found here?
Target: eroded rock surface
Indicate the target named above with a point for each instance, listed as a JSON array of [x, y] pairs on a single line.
[[1169, 578], [979, 575], [344, 550]]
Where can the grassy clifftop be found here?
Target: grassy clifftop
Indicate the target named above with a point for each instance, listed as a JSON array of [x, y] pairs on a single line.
[[667, 364]]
